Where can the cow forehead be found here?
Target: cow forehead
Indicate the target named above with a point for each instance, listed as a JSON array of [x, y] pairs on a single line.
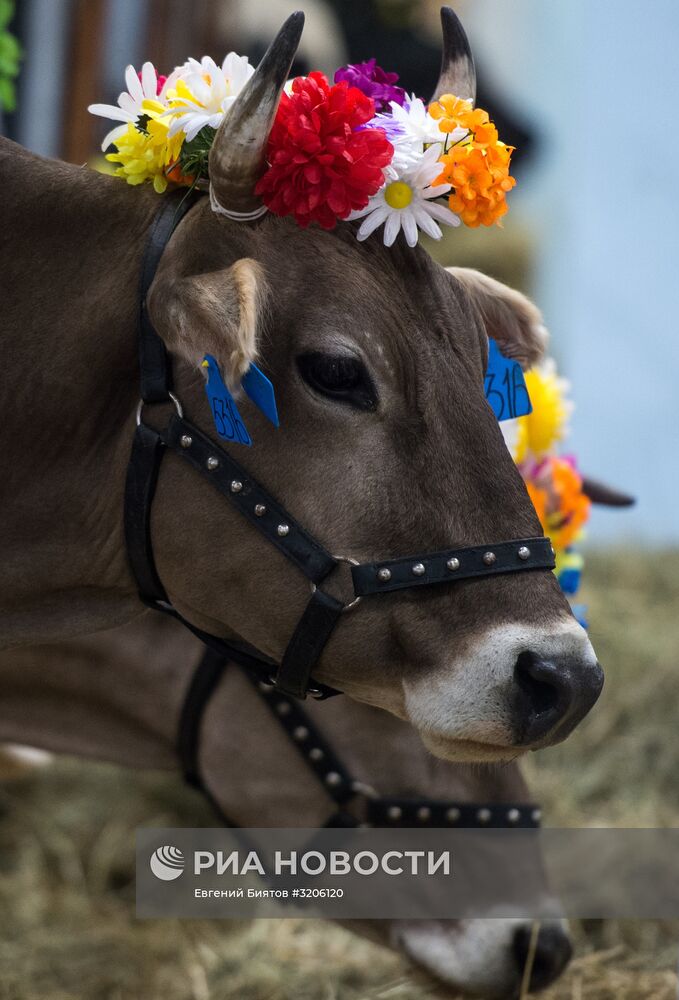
[[395, 303], [400, 307]]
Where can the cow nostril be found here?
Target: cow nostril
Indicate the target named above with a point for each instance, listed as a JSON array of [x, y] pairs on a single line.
[[538, 682], [553, 694], [553, 951], [544, 696]]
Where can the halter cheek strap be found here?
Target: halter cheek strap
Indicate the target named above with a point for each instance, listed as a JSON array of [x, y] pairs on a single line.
[[265, 513], [327, 767]]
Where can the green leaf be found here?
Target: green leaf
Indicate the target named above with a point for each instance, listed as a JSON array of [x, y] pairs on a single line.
[[9, 68], [9, 47], [193, 157], [6, 12], [7, 94]]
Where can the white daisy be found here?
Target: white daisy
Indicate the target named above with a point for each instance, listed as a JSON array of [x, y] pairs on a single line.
[[129, 107], [409, 129], [204, 92], [405, 202]]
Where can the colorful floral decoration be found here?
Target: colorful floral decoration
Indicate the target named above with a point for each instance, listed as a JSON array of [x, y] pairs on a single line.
[[323, 163], [359, 149], [540, 432], [475, 163], [552, 479], [203, 92], [374, 82]]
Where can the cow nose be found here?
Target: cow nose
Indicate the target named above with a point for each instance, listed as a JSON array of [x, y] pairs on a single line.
[[553, 951], [554, 694]]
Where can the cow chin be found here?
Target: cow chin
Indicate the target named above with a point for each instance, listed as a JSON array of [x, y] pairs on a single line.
[[468, 751], [515, 689]]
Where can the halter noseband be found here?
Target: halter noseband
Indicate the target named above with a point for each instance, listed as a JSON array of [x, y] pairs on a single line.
[[268, 516], [324, 763]]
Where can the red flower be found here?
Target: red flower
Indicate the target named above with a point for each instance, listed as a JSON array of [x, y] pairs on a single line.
[[322, 163]]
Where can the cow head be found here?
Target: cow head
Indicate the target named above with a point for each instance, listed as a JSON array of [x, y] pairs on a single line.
[[386, 447]]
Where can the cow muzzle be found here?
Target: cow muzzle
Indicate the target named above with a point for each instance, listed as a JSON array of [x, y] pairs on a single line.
[[517, 688], [486, 957]]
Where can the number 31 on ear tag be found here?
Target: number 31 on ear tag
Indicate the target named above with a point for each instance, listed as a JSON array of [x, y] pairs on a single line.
[[228, 421], [506, 390]]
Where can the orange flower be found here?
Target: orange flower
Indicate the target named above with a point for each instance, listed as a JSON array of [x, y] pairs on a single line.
[[476, 166], [448, 112], [559, 501], [453, 113], [480, 180], [174, 174], [539, 500], [484, 131]]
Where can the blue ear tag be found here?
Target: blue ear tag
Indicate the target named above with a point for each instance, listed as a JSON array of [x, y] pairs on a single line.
[[261, 392], [228, 421], [506, 390]]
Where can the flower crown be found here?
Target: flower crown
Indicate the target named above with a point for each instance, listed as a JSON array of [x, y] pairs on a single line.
[[357, 148]]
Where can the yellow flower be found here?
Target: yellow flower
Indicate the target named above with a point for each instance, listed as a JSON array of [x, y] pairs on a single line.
[[546, 425], [158, 128], [146, 155]]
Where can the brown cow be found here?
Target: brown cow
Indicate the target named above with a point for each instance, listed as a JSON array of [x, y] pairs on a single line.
[[117, 696], [387, 445]]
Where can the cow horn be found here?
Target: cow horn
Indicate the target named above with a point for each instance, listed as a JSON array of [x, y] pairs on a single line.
[[237, 155], [600, 493], [458, 75]]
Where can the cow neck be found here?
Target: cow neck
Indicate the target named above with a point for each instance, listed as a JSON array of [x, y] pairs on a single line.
[[74, 244]]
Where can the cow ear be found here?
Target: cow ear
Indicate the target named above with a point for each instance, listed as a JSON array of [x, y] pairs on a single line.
[[217, 313], [510, 317]]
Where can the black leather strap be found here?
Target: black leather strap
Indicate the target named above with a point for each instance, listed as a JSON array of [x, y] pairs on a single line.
[[154, 365], [199, 692], [316, 751], [140, 486], [307, 643], [327, 766], [397, 812], [453, 564], [252, 500]]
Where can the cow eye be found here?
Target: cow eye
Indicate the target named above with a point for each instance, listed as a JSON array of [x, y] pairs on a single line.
[[340, 377]]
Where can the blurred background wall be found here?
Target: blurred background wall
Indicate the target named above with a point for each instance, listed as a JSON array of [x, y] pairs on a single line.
[[587, 89]]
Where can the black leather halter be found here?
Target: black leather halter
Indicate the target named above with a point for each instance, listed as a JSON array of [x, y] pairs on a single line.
[[368, 807], [268, 516]]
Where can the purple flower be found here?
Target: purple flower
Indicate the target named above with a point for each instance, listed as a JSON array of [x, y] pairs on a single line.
[[374, 82]]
